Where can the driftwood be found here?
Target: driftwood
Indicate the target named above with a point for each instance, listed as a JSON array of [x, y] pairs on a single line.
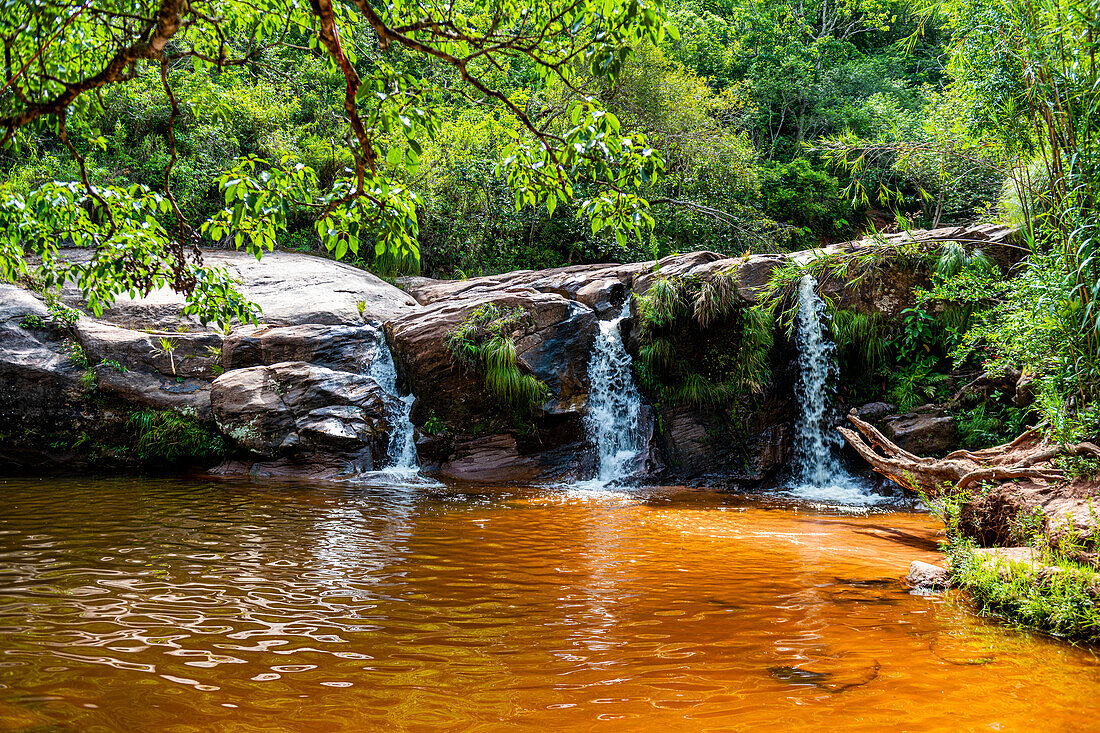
[[1028, 457]]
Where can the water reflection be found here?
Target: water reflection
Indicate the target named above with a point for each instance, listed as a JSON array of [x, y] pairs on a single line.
[[180, 606]]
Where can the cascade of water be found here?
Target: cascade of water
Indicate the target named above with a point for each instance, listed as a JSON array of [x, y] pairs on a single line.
[[818, 471], [614, 404], [401, 452]]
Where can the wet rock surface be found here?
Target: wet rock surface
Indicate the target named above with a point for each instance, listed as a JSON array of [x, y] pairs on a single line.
[[143, 355]]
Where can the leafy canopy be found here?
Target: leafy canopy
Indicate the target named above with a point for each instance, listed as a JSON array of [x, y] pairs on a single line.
[[63, 55]]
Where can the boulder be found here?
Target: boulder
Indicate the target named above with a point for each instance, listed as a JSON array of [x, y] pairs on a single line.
[[289, 287], [60, 410], [345, 348], [17, 303], [492, 458], [874, 412], [556, 350], [1024, 392], [43, 405], [699, 441], [928, 577], [168, 353], [300, 410], [928, 429]]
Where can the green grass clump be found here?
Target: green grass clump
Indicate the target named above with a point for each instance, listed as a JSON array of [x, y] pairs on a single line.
[[1063, 602], [1057, 594], [700, 345], [485, 343], [172, 436]]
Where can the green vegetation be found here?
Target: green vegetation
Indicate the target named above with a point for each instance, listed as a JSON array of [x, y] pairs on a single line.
[[1055, 592], [484, 342], [32, 322], [171, 436], [1061, 601], [700, 345], [77, 355], [630, 128], [990, 423], [141, 127]]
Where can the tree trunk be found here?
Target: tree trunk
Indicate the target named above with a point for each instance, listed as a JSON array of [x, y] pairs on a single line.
[[1029, 456]]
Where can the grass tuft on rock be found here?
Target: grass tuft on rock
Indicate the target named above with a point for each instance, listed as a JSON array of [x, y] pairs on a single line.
[[1052, 594], [1055, 591], [172, 436], [485, 343]]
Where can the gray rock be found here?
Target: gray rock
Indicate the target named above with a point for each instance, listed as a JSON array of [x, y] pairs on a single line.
[[346, 348], [927, 429], [926, 576], [556, 350], [249, 409], [1024, 393], [875, 411], [300, 409], [140, 389], [17, 303], [291, 288], [682, 265], [168, 353]]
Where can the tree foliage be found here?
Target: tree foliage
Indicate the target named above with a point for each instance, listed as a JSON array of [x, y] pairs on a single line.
[[62, 57]]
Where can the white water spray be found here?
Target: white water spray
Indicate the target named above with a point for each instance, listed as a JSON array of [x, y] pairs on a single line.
[[614, 404], [818, 471], [401, 452]]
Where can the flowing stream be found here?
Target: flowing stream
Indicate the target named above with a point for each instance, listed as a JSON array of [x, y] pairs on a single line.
[[614, 404], [818, 472], [141, 604], [401, 456]]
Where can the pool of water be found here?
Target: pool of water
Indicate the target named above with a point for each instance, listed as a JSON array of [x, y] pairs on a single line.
[[162, 605]]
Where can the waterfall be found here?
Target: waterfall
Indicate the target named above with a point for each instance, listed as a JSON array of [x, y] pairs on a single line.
[[614, 404], [401, 451], [818, 472]]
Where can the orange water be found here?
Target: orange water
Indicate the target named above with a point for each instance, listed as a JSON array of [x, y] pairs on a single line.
[[153, 605]]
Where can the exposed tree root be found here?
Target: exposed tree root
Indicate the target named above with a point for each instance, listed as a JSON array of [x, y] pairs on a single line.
[[1027, 457]]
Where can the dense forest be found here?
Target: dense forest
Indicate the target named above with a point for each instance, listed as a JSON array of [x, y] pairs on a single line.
[[635, 132], [744, 101]]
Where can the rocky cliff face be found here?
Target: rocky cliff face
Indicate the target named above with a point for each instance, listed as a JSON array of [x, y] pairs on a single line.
[[143, 386]]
